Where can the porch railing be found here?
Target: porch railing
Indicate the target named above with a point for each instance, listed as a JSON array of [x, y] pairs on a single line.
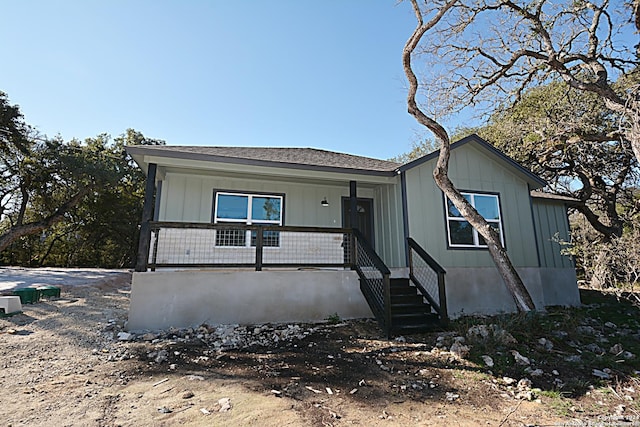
[[375, 281], [203, 245], [428, 276]]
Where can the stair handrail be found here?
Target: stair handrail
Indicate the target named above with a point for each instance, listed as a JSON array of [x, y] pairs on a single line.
[[382, 311], [439, 306]]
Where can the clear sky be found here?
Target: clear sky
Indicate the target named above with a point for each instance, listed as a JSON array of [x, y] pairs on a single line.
[[290, 73]]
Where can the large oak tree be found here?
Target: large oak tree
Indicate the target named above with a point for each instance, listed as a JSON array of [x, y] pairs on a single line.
[[506, 269], [483, 53]]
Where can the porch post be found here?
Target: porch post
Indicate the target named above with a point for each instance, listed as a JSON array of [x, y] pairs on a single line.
[[353, 204], [147, 216], [259, 246], [405, 217]]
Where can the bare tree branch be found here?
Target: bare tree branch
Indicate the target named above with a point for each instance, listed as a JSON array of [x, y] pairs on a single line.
[[506, 269]]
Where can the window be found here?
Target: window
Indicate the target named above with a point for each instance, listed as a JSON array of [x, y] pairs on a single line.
[[460, 233], [248, 209]]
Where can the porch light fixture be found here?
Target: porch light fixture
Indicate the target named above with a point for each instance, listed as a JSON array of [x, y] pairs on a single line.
[[324, 202]]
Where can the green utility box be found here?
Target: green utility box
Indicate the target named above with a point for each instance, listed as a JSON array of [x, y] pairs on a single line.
[[49, 291], [28, 295]]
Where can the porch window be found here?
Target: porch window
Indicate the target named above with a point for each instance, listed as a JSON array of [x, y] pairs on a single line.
[[460, 233], [247, 209]]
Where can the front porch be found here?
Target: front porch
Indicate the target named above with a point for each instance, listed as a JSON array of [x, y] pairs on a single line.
[[222, 241], [246, 274]]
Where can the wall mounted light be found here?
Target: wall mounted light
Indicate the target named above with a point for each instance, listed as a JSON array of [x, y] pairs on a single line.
[[324, 202]]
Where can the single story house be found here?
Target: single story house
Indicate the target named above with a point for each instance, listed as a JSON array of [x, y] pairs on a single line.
[[253, 235]]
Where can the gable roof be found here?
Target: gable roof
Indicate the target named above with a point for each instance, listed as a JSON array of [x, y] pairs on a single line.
[[314, 159], [297, 158], [484, 145]]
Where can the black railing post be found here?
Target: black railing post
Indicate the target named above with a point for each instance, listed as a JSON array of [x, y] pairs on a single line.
[[442, 296], [409, 258], [353, 204], [387, 304], [147, 216], [259, 244], [354, 253], [154, 258]]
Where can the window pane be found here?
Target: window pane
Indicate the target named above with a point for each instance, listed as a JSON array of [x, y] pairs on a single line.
[[269, 238], [461, 233], [230, 237], [452, 210], [487, 206], [232, 207], [265, 209], [481, 240]]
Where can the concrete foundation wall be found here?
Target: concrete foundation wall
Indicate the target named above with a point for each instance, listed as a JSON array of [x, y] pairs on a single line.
[[481, 290], [160, 300]]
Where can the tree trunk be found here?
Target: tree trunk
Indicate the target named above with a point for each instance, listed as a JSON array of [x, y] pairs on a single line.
[[35, 227], [634, 134], [509, 274]]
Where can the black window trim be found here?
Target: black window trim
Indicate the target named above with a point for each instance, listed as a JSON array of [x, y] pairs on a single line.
[[214, 220], [473, 248]]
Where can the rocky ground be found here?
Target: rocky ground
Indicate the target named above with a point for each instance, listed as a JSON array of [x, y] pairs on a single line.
[[69, 361]]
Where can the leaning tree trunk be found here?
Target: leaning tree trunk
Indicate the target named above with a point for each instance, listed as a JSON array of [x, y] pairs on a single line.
[[21, 230], [509, 274]]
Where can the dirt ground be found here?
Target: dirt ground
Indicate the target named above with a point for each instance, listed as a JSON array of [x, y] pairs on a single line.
[[63, 365]]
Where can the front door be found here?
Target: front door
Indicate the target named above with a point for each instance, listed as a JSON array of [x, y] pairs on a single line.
[[365, 217]]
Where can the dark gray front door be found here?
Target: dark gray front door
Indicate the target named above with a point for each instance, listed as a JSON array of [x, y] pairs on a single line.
[[365, 217]]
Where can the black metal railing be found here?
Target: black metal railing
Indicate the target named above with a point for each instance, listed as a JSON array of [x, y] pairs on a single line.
[[204, 245], [375, 283], [428, 276]]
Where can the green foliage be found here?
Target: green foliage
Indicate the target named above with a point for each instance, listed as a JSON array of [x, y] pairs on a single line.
[[428, 145], [73, 203], [574, 141], [418, 149], [333, 319]]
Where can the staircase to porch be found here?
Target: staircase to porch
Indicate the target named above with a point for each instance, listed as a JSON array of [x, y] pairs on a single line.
[[410, 313], [402, 305]]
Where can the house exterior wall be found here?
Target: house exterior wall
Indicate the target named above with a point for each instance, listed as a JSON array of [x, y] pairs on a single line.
[[163, 299], [189, 197], [471, 169], [388, 209], [166, 299], [552, 226], [480, 290]]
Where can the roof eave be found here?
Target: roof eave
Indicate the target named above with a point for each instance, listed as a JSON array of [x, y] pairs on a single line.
[[137, 151]]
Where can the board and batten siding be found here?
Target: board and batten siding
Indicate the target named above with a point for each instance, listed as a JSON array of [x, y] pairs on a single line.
[[471, 169], [189, 198], [389, 229], [552, 227]]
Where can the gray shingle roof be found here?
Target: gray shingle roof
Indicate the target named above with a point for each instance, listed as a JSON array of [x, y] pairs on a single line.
[[551, 196], [284, 156]]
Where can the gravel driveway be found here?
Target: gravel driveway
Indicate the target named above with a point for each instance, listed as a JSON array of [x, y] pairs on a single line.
[[19, 277]]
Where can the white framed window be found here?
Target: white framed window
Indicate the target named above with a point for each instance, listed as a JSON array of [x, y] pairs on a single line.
[[460, 233], [245, 208]]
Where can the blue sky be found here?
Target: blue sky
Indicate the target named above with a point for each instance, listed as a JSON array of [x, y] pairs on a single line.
[[324, 74]]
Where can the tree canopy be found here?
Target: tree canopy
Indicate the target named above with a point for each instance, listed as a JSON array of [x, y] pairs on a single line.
[[482, 53], [572, 140], [67, 203]]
